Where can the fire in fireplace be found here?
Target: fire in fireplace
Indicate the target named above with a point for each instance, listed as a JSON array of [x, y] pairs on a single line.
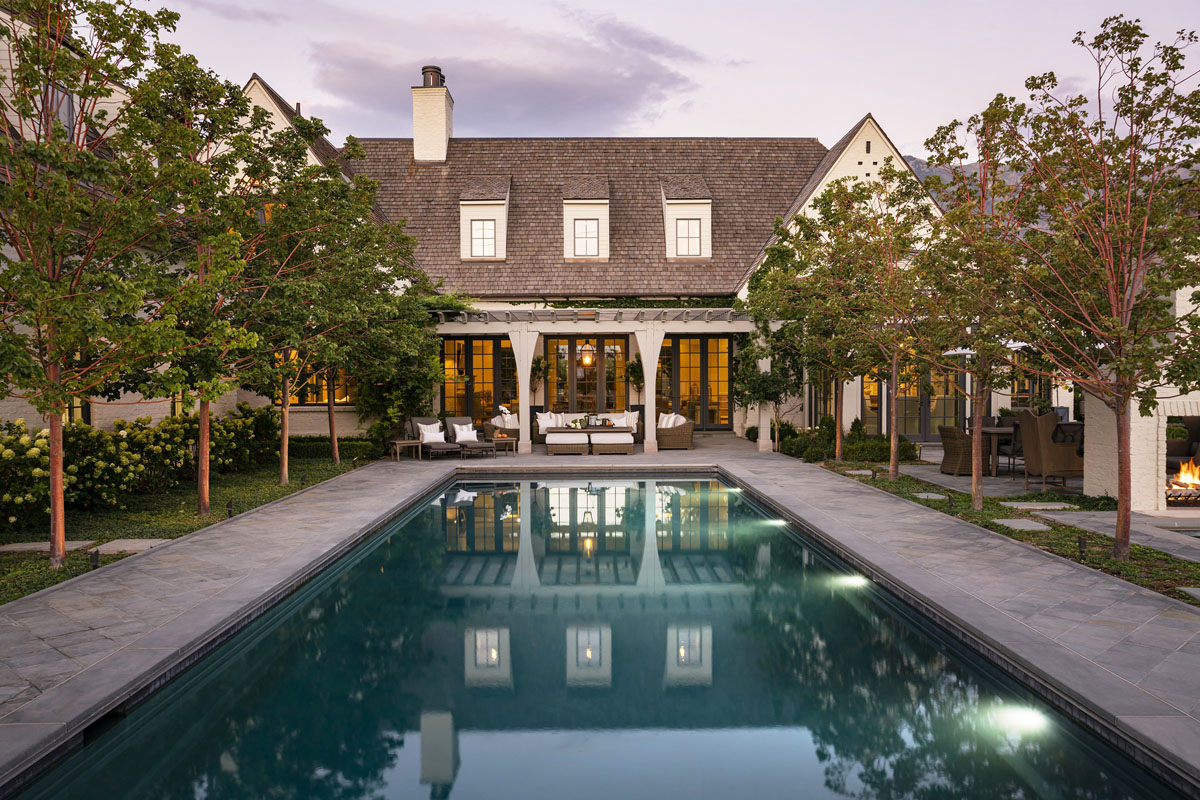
[[1184, 486]]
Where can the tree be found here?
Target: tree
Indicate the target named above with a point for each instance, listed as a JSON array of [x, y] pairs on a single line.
[[1104, 224], [871, 231], [753, 386], [92, 186], [798, 294], [964, 324], [326, 269]]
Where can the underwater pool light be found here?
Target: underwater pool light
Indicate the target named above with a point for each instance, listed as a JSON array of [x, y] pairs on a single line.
[[777, 522], [1019, 719], [850, 581]]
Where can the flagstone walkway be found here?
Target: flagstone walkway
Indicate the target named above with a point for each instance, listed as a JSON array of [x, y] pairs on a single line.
[[1123, 660]]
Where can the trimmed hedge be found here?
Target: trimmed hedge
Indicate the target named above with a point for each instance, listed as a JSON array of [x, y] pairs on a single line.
[[349, 447], [817, 444], [101, 467]]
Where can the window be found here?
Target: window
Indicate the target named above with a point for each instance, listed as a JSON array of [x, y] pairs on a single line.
[[587, 238], [480, 376], [689, 644], [487, 648], [687, 237], [587, 648], [77, 410], [483, 238], [60, 108], [868, 145]]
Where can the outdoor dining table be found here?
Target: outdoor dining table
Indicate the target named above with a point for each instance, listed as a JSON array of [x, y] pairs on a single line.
[[993, 437]]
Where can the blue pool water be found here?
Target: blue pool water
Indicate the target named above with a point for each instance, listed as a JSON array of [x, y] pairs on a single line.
[[528, 639]]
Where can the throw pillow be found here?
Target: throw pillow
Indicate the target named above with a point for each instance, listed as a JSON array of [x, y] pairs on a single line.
[[431, 432], [631, 420], [547, 420], [465, 433]]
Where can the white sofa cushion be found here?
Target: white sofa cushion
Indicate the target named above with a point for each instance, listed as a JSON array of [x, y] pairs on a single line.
[[631, 420], [672, 420], [566, 438], [547, 420], [612, 438], [567, 418]]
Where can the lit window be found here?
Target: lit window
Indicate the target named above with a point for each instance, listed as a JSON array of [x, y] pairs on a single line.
[[487, 648], [587, 237], [587, 648], [689, 647], [687, 237], [483, 238]]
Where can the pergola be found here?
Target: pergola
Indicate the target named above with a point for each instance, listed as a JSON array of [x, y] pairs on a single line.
[[648, 326]]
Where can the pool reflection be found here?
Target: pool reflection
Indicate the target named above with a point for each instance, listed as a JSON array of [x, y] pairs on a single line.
[[714, 658]]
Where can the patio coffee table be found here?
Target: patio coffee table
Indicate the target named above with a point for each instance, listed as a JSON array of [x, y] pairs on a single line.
[[401, 444]]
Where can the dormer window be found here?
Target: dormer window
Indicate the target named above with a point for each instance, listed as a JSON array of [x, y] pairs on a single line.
[[587, 238], [483, 238], [585, 218], [483, 218], [687, 237], [687, 216]]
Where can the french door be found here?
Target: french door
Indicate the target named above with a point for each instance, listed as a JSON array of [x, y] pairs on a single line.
[[586, 374], [693, 380], [925, 403]]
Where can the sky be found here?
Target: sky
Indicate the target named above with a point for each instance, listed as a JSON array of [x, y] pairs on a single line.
[[696, 68]]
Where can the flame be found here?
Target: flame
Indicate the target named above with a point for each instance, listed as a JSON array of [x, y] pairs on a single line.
[[1188, 476]]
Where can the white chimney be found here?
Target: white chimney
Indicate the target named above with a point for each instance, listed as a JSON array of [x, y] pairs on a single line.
[[433, 116]]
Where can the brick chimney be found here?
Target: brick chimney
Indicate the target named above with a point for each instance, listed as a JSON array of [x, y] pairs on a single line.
[[433, 117]]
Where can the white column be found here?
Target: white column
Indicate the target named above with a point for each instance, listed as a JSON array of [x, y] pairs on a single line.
[[764, 414], [525, 576], [650, 345], [524, 342], [650, 574]]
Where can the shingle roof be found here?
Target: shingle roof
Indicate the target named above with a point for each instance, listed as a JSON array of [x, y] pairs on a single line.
[[485, 187], [585, 187], [750, 182], [684, 187]]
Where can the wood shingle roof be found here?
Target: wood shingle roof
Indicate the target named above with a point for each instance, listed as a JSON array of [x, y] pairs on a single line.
[[749, 181]]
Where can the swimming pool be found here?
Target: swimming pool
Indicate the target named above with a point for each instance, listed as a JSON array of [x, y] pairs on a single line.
[[529, 639]]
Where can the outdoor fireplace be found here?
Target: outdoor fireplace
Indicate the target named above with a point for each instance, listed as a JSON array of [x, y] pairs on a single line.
[[1183, 471], [1183, 488]]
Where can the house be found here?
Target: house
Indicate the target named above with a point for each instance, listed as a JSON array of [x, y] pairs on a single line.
[[591, 252]]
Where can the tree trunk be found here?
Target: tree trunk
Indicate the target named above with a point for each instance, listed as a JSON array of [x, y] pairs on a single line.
[[285, 403], [202, 447], [1124, 487], [838, 435], [894, 421], [58, 521], [333, 442], [976, 445]]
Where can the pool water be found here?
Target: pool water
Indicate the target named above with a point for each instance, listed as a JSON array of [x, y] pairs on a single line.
[[528, 639]]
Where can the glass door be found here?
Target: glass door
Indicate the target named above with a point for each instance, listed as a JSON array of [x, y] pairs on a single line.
[[585, 374], [693, 380]]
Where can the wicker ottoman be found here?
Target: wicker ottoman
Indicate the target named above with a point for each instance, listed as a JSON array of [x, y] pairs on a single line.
[[566, 444], [612, 444]]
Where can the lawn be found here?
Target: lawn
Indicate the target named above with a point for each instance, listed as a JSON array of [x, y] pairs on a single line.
[[1146, 567], [168, 514]]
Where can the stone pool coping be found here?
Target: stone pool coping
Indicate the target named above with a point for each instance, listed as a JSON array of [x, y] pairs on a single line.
[[1119, 659]]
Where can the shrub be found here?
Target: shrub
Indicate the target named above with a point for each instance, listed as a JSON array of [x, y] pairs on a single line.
[[1175, 432], [857, 432], [101, 467], [879, 449], [349, 448], [752, 433]]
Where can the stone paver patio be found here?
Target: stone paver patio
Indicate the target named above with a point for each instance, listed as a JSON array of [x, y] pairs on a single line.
[[1122, 660], [1171, 532], [1003, 485]]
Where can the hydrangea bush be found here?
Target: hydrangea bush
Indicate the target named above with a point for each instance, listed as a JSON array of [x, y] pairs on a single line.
[[102, 467]]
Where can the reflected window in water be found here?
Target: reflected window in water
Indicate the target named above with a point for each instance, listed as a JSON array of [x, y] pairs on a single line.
[[690, 647], [487, 648], [587, 648]]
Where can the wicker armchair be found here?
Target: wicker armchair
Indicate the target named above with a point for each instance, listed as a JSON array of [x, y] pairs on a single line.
[[956, 448], [676, 438], [490, 430], [1045, 457]]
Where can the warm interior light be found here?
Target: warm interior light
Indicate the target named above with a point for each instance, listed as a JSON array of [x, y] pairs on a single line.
[[494, 655], [682, 654], [587, 653]]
